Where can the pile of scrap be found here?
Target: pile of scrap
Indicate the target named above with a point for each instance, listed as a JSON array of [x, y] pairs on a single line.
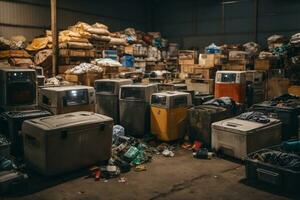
[[12, 52]]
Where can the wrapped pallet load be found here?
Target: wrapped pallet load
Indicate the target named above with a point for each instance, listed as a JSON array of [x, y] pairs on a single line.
[[110, 67], [85, 73]]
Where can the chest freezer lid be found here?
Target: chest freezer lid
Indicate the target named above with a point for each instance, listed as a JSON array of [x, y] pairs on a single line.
[[242, 127], [25, 114], [70, 120]]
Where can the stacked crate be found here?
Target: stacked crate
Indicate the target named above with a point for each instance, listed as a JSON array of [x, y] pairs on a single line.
[[68, 58], [202, 75], [237, 61], [276, 82], [188, 61]]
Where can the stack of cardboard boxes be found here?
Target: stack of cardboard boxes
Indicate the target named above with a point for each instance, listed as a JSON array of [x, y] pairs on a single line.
[[199, 74]]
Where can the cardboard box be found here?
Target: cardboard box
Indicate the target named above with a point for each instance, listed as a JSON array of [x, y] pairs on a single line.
[[210, 60], [234, 67], [189, 69], [89, 78], [72, 78], [238, 55], [277, 86], [205, 86], [187, 57], [204, 73], [129, 49], [84, 79], [264, 64], [294, 90]]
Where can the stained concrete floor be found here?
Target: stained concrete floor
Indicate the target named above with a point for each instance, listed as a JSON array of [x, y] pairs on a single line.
[[181, 177]]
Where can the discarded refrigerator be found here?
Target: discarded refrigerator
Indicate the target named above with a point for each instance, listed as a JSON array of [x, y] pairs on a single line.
[[60, 100], [169, 114], [107, 97], [63, 143], [11, 123], [238, 137], [18, 89], [135, 108], [231, 84], [256, 87]]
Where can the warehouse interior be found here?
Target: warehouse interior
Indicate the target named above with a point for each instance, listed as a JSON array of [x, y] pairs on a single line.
[[154, 99]]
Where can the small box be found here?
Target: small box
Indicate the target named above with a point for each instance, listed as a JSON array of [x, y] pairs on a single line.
[[188, 69], [201, 85], [235, 66], [264, 64], [204, 73], [209, 60], [238, 55], [72, 78], [187, 57], [129, 49]]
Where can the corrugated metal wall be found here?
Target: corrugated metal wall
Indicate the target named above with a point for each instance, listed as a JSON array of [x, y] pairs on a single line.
[[31, 17], [195, 23]]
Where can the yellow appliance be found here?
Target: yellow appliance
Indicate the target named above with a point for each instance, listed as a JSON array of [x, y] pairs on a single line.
[[169, 114]]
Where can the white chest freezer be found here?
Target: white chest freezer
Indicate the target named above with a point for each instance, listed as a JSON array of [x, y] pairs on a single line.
[[63, 143], [237, 138]]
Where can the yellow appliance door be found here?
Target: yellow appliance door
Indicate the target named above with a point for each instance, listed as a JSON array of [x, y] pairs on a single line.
[[168, 124]]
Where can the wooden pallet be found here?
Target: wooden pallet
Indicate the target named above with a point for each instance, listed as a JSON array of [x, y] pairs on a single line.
[[84, 79], [73, 60], [77, 53]]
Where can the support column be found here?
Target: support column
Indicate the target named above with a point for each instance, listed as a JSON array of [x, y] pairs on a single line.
[[54, 37]]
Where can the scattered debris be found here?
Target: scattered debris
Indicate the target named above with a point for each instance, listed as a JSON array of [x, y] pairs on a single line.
[[197, 145], [95, 173], [140, 168], [122, 180], [107, 62], [85, 68], [187, 146], [168, 153], [203, 153]]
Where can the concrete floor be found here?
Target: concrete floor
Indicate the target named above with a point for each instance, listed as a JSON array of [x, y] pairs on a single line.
[[181, 177]]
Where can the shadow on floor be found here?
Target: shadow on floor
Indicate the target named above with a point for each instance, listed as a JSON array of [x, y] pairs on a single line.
[[270, 188], [36, 183]]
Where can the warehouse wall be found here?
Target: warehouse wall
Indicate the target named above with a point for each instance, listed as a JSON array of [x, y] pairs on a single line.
[[195, 23], [31, 17]]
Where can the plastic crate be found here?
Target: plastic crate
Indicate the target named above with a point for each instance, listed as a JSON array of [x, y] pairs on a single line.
[[282, 178], [4, 148]]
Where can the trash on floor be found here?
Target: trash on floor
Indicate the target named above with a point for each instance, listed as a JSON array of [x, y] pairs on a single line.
[[203, 153], [140, 168]]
